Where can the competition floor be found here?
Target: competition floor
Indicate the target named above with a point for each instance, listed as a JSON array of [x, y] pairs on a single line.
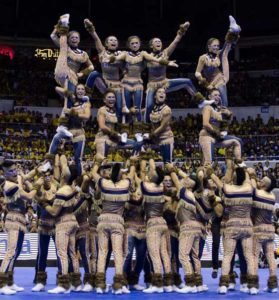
[[24, 277]]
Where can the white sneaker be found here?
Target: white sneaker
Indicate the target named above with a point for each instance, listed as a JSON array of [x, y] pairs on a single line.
[[244, 288], [137, 287], [187, 289], [234, 27], [175, 288], [205, 102], [139, 137], [64, 19], [39, 287], [202, 288], [153, 289], [146, 136], [125, 290], [64, 130], [124, 137], [77, 289], [275, 290], [222, 290], [168, 289], [99, 290], [194, 290], [117, 292], [59, 290], [254, 291], [205, 287], [231, 287], [87, 288], [5, 290], [16, 288]]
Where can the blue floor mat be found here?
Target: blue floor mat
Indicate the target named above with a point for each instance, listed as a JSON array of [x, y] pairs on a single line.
[[24, 277]]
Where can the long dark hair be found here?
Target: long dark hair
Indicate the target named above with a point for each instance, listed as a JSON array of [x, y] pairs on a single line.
[[77, 86], [197, 182], [115, 172], [74, 173], [240, 176], [160, 176]]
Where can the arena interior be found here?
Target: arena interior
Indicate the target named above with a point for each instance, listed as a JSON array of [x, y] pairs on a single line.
[[139, 148]]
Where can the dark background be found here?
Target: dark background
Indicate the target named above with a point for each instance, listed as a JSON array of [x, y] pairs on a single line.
[[146, 18]]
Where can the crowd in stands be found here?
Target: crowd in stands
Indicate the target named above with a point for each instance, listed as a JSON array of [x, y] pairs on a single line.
[[263, 61], [253, 91]]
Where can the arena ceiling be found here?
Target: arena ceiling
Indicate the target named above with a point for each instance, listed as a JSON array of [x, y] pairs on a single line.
[[146, 18]]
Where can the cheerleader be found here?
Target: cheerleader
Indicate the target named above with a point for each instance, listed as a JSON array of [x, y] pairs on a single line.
[[213, 67], [214, 131], [72, 63], [238, 203], [111, 70], [132, 83], [17, 201], [157, 73], [161, 133], [264, 233], [114, 195], [75, 118]]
